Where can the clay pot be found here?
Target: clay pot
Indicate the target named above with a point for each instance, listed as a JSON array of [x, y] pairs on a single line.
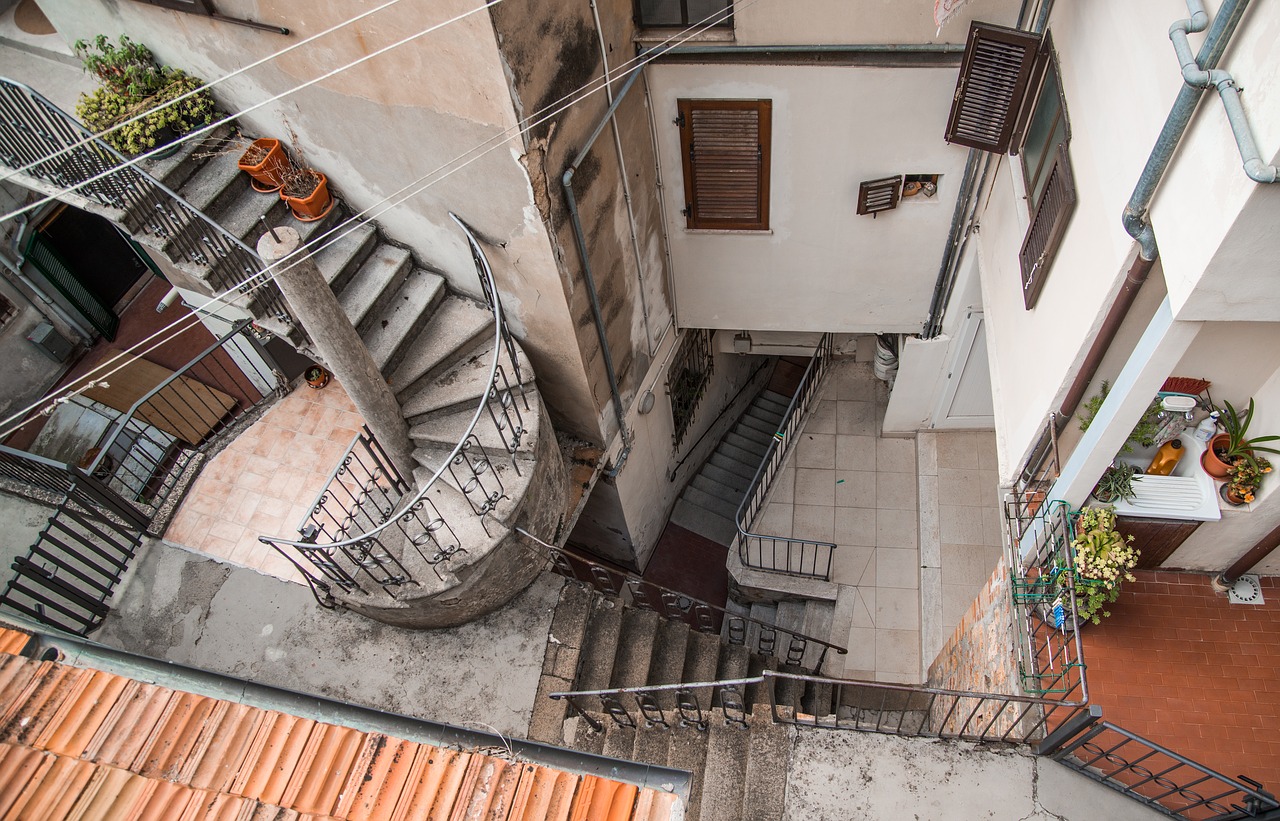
[[268, 172], [312, 206], [317, 377], [1209, 460], [1230, 497]]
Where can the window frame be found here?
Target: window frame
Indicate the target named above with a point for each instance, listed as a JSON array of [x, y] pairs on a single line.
[[695, 220], [1046, 67], [688, 376], [637, 9]]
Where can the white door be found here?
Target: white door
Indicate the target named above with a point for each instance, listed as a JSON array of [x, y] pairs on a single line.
[[966, 392]]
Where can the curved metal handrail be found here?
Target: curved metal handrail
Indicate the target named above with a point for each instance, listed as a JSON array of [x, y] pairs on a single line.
[[756, 491], [501, 340]]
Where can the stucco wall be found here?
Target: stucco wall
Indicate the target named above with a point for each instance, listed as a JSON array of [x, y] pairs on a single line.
[[820, 267], [860, 21]]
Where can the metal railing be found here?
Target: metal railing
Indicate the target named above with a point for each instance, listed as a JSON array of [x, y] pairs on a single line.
[[756, 635], [785, 554], [1156, 776], [370, 548], [146, 453], [685, 705], [360, 494], [1031, 487], [51, 145]]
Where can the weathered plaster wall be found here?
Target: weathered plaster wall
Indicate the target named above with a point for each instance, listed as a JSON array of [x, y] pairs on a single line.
[[771, 22], [437, 108]]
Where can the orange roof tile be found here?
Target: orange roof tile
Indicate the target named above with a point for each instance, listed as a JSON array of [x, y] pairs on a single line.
[[78, 743]]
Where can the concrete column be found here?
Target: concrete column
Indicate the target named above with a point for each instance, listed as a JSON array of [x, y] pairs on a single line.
[[339, 345]]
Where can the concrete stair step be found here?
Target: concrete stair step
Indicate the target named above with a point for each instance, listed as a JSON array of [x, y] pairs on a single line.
[[619, 741], [636, 638], [788, 691], [757, 664], [766, 411], [243, 215], [214, 184], [339, 260], [588, 740], [816, 699], [729, 472], [560, 662], [396, 324], [710, 500], [438, 436], [701, 657], [600, 645], [174, 171], [756, 447], [712, 487], [374, 283], [457, 328], [687, 750], [733, 662], [704, 522], [819, 619], [495, 490], [769, 750], [730, 450], [842, 613], [755, 427], [461, 386], [667, 664], [768, 614], [728, 747], [652, 746], [773, 399]]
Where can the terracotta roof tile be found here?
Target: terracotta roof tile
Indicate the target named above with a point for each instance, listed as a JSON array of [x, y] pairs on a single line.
[[80, 715], [220, 753], [13, 641]]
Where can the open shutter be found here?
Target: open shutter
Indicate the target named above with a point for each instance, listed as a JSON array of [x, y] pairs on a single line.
[[725, 146], [875, 196], [1048, 225], [993, 81]]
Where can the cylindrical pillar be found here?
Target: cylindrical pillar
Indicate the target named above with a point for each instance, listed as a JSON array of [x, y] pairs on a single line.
[[339, 345]]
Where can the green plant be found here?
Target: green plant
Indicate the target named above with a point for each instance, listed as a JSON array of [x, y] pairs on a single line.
[[1236, 426], [1117, 483], [163, 111], [1245, 476], [129, 69], [1143, 434], [1103, 559]]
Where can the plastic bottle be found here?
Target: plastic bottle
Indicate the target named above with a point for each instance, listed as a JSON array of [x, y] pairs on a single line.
[[1166, 458], [1207, 427]]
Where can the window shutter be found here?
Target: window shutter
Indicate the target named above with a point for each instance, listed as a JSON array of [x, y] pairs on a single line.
[[725, 144], [1048, 225], [993, 81], [875, 196]]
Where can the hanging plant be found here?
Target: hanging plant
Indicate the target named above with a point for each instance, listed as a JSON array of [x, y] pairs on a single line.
[[1103, 559]]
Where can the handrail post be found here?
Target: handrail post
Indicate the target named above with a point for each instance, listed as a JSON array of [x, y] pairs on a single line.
[[1069, 729]]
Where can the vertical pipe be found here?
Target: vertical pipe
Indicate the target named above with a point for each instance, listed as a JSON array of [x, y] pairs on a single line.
[[1246, 562]]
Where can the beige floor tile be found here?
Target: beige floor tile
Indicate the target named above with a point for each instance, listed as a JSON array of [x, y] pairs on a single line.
[[896, 455], [783, 488], [889, 677], [896, 491], [855, 380], [855, 452], [220, 548], [857, 418], [988, 457], [855, 488], [815, 450], [896, 528], [815, 487], [855, 526], [965, 564], [958, 451], [993, 526], [849, 563], [956, 600], [898, 609], [898, 651], [823, 419], [897, 568], [862, 650], [864, 614], [960, 525], [814, 522], [776, 520]]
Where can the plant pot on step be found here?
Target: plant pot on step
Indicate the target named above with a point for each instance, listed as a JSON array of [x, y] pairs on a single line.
[[1211, 462], [266, 164], [1231, 497], [316, 376], [307, 194]]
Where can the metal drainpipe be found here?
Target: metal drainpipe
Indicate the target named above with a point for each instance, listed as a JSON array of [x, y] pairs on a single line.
[[1135, 213], [579, 238], [1256, 554]]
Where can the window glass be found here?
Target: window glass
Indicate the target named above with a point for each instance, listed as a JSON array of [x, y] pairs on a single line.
[[1045, 132], [682, 12]]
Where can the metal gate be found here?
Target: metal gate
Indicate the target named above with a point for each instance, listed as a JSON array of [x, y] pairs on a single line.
[[43, 256]]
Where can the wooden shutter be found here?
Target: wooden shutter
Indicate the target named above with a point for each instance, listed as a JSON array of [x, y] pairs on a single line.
[[993, 81], [1048, 224], [725, 149], [875, 196]]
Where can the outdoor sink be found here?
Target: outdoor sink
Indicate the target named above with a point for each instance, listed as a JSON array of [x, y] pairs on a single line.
[[1188, 493]]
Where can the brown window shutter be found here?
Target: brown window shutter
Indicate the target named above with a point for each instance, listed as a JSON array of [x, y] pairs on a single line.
[[725, 148], [875, 196], [1048, 225], [993, 81]]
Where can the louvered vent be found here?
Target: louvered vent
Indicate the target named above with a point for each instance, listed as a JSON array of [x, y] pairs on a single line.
[[1048, 225], [875, 196], [726, 162], [997, 67]]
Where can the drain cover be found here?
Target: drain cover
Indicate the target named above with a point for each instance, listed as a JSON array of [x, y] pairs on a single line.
[[1246, 590]]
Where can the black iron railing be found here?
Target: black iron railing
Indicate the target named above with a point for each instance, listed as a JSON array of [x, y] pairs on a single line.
[[368, 536], [691, 704], [148, 451], [53, 148], [785, 554], [1031, 487]]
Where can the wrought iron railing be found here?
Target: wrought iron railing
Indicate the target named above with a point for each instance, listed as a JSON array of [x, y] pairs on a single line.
[[361, 493], [785, 554], [367, 548], [54, 148], [758, 636], [690, 704], [148, 451], [1031, 487], [1156, 776]]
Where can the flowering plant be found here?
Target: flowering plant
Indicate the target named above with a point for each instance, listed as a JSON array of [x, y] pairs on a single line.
[[1103, 559], [1245, 476]]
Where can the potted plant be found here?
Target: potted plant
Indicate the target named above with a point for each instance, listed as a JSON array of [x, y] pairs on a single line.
[[1243, 479], [1233, 442], [266, 164], [1103, 559], [1143, 434], [305, 189], [1117, 483], [317, 377]]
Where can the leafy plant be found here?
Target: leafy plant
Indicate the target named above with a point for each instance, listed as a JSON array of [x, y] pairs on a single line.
[[1245, 476], [1236, 426], [1143, 434], [1103, 559], [129, 69], [1117, 483], [165, 116]]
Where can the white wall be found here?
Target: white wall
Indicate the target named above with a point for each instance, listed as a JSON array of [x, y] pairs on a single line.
[[821, 267], [861, 21]]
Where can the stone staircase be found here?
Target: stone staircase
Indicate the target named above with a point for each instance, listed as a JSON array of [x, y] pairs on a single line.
[[708, 505], [598, 643], [434, 346]]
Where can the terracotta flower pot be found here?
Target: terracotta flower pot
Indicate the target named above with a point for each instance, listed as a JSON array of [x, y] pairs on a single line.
[[317, 377], [1231, 497], [312, 205], [1209, 460], [266, 170]]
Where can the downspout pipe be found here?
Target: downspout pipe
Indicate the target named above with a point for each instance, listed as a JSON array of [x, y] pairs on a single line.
[[593, 294], [1134, 217], [1256, 554]]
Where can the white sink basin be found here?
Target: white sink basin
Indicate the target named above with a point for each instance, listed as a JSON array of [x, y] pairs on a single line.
[[1189, 493]]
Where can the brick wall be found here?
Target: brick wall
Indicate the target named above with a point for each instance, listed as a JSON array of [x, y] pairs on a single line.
[[979, 656]]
